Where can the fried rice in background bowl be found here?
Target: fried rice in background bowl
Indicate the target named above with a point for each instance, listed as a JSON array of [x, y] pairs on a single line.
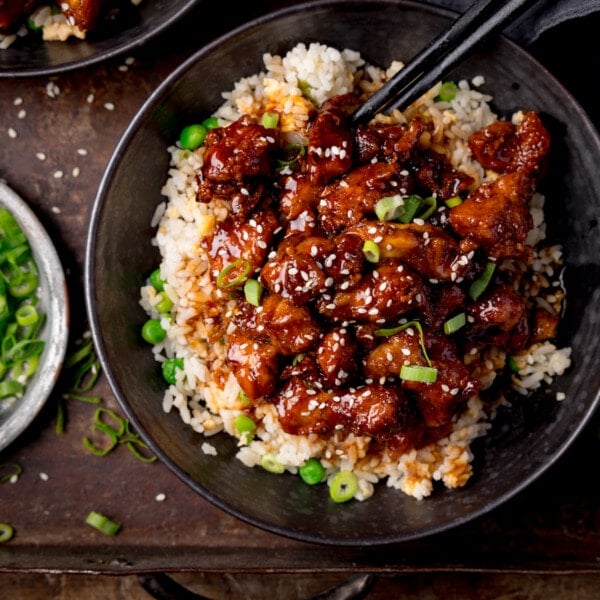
[[527, 435], [49, 41]]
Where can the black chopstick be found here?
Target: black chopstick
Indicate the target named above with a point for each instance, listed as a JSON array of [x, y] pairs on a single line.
[[429, 66]]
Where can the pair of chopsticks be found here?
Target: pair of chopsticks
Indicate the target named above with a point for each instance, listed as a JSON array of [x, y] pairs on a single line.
[[478, 23]]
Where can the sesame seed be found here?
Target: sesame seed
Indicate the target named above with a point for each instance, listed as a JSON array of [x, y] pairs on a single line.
[[12, 133], [57, 174], [109, 106], [44, 476], [160, 497], [90, 98], [82, 151], [18, 101], [75, 172], [56, 210], [22, 114]]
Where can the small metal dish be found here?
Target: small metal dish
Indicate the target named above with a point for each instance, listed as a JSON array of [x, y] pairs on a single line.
[[16, 415]]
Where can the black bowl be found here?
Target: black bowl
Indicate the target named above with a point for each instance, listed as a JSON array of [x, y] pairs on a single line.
[[525, 441], [117, 33]]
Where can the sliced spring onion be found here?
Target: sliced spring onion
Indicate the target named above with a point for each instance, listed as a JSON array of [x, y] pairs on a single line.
[[6, 532], [447, 92], [394, 330], [371, 251], [512, 364], [165, 304], [343, 486], [12, 470], [479, 285], [427, 208], [11, 388], [244, 399], [455, 323], [418, 373], [253, 290], [389, 208], [102, 523], [454, 201], [291, 155], [271, 464], [270, 120], [244, 426], [133, 446], [312, 471], [26, 315], [234, 274], [306, 90]]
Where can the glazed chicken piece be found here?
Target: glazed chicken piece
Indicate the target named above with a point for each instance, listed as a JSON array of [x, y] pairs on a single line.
[[262, 336], [12, 11], [296, 271], [337, 357], [82, 13], [384, 293], [391, 143], [437, 401], [249, 241], [506, 148], [496, 216], [428, 250], [345, 201], [330, 141], [500, 317], [373, 409], [237, 160]]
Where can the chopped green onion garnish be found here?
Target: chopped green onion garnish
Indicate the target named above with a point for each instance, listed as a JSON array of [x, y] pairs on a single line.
[[269, 120], [11, 388], [479, 285], [447, 92], [429, 205], [343, 486], [14, 470], [102, 523], [6, 532], [244, 399], [291, 154], [271, 464], [371, 251], [244, 426], [234, 274], [253, 290], [26, 315], [418, 373], [512, 364], [306, 90], [165, 304], [454, 201], [389, 208], [394, 330], [455, 323], [312, 471]]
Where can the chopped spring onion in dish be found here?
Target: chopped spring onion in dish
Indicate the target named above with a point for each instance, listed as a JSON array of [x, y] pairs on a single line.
[[102, 523], [20, 317], [6, 532]]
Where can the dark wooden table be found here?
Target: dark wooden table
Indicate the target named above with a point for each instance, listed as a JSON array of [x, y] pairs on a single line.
[[552, 527]]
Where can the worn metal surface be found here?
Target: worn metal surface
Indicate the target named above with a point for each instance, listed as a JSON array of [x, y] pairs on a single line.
[[552, 527]]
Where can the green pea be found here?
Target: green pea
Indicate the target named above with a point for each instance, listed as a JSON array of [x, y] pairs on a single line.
[[165, 304], [153, 332], [244, 425], [192, 136], [156, 280], [343, 487], [211, 123], [312, 471], [169, 369]]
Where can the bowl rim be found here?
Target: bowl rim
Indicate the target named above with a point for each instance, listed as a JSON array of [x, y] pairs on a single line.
[[103, 55], [144, 111], [56, 332]]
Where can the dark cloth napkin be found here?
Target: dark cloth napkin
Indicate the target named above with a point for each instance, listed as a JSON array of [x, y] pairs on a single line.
[[540, 17]]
